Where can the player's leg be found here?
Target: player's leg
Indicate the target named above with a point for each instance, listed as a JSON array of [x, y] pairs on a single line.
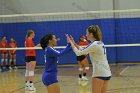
[[2, 60], [85, 64], [10, 61], [97, 85], [6, 60], [80, 73], [32, 65], [53, 88], [105, 85], [27, 76], [14, 61]]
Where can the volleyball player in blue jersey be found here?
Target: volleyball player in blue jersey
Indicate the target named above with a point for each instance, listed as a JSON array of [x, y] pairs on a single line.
[[49, 77]]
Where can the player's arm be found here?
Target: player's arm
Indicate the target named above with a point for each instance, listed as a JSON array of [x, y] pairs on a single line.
[[77, 46], [53, 52], [84, 51], [15, 47], [38, 45]]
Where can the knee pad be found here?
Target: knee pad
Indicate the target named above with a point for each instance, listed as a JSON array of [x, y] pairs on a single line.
[[6, 60], [26, 73], [31, 73], [80, 69], [2, 60], [14, 60], [10, 60], [86, 68]]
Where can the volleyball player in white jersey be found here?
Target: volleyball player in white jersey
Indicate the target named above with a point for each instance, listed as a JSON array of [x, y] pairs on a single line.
[[96, 49]]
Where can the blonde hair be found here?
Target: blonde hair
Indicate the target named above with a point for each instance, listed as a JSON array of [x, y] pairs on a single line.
[[13, 40], [95, 30], [29, 32]]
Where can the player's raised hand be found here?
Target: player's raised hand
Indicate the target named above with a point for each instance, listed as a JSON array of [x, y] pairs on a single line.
[[72, 39], [68, 38]]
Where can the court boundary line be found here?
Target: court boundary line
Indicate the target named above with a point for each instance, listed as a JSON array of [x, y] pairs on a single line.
[[124, 70]]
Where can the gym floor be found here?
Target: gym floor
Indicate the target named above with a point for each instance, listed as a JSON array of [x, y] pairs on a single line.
[[125, 79]]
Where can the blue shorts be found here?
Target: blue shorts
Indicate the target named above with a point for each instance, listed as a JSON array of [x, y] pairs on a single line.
[[104, 78], [49, 78]]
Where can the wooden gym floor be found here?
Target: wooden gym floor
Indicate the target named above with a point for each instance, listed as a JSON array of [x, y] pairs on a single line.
[[125, 79]]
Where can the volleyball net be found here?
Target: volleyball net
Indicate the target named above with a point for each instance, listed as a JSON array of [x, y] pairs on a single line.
[[84, 15], [120, 29]]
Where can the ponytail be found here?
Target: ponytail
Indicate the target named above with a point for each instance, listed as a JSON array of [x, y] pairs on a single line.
[[95, 30]]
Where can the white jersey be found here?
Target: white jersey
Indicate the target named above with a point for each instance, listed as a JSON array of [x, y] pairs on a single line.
[[97, 53]]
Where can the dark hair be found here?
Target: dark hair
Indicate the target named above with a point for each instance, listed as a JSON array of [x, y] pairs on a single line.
[[3, 37], [29, 32], [95, 30], [45, 40], [80, 38]]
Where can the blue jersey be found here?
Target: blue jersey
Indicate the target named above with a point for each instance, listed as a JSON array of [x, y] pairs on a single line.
[[51, 57]]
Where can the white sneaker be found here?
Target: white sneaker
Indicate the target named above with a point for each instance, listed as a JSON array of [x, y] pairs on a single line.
[[84, 78], [31, 87], [15, 67], [84, 83], [10, 68], [27, 86]]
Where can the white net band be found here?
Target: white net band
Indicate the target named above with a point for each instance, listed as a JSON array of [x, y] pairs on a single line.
[[61, 47], [83, 15]]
